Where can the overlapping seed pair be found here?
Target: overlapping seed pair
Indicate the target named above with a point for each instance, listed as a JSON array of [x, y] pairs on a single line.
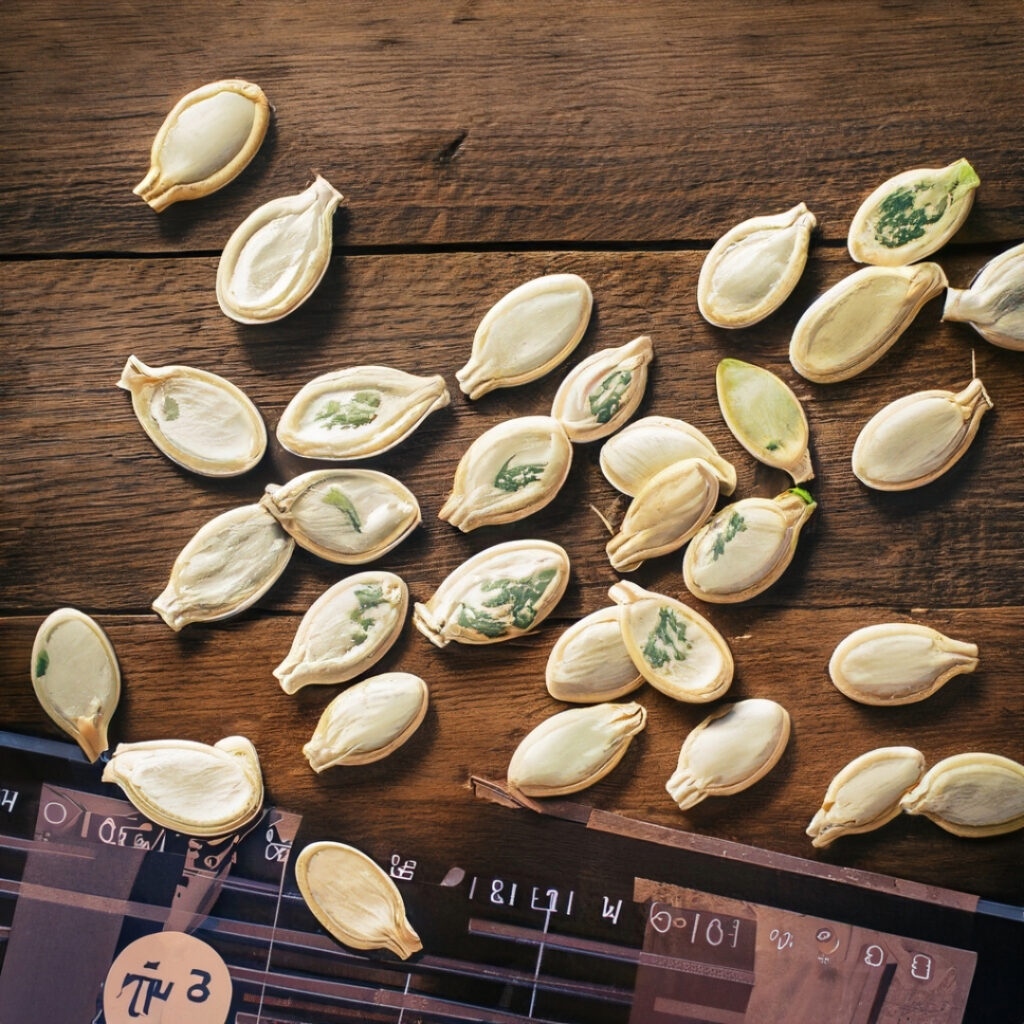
[[974, 794], [674, 475]]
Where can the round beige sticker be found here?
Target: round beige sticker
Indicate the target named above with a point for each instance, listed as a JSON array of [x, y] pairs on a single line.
[[167, 978]]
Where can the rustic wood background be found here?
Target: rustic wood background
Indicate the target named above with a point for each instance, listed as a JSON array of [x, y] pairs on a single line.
[[480, 144]]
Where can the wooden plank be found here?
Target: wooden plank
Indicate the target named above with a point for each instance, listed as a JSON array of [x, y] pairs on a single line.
[[476, 122], [95, 515], [213, 681]]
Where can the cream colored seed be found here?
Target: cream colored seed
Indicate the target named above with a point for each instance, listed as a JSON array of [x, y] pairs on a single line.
[[354, 899], [358, 412], [277, 256], [574, 749], [508, 473], [972, 795], [368, 721], [866, 793], [346, 631], [676, 650], [193, 788], [76, 677], [205, 141], [603, 391], [730, 750], [746, 547], [917, 438], [751, 270], [500, 593], [589, 663], [348, 516], [645, 447], [912, 215], [853, 324], [670, 508], [527, 333], [228, 565], [197, 419], [898, 663], [994, 303]]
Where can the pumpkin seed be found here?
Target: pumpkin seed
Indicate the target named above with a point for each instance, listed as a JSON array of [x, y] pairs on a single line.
[[527, 333], [917, 438], [228, 565], [643, 449], [676, 650], [206, 140], [368, 721], [898, 663], [198, 420], [358, 412], [498, 594], [746, 547], [190, 787], [574, 749], [765, 417], [354, 899], [972, 795], [603, 391], [589, 663], [509, 472], [751, 270], [348, 516], [994, 303], [346, 630], [277, 256], [729, 751], [866, 793], [670, 508], [912, 215], [858, 320], [76, 677]]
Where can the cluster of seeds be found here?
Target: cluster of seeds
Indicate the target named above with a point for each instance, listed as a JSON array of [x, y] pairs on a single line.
[[271, 265]]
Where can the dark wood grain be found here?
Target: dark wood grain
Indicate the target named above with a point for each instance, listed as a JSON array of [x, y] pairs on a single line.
[[105, 514], [479, 122]]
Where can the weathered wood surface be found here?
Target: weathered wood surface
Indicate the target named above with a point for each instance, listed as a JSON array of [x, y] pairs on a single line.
[[616, 147], [464, 122], [97, 517]]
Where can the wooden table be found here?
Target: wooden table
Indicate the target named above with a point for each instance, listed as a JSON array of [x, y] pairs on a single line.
[[480, 144]]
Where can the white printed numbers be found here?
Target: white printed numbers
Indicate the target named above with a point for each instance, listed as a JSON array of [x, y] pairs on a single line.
[[404, 871], [499, 896], [701, 928], [610, 911], [550, 901], [8, 798], [921, 967], [921, 964], [874, 956]]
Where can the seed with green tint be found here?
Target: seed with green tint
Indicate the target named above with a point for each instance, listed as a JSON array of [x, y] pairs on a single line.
[[912, 214], [605, 399], [514, 478], [360, 410], [765, 417]]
